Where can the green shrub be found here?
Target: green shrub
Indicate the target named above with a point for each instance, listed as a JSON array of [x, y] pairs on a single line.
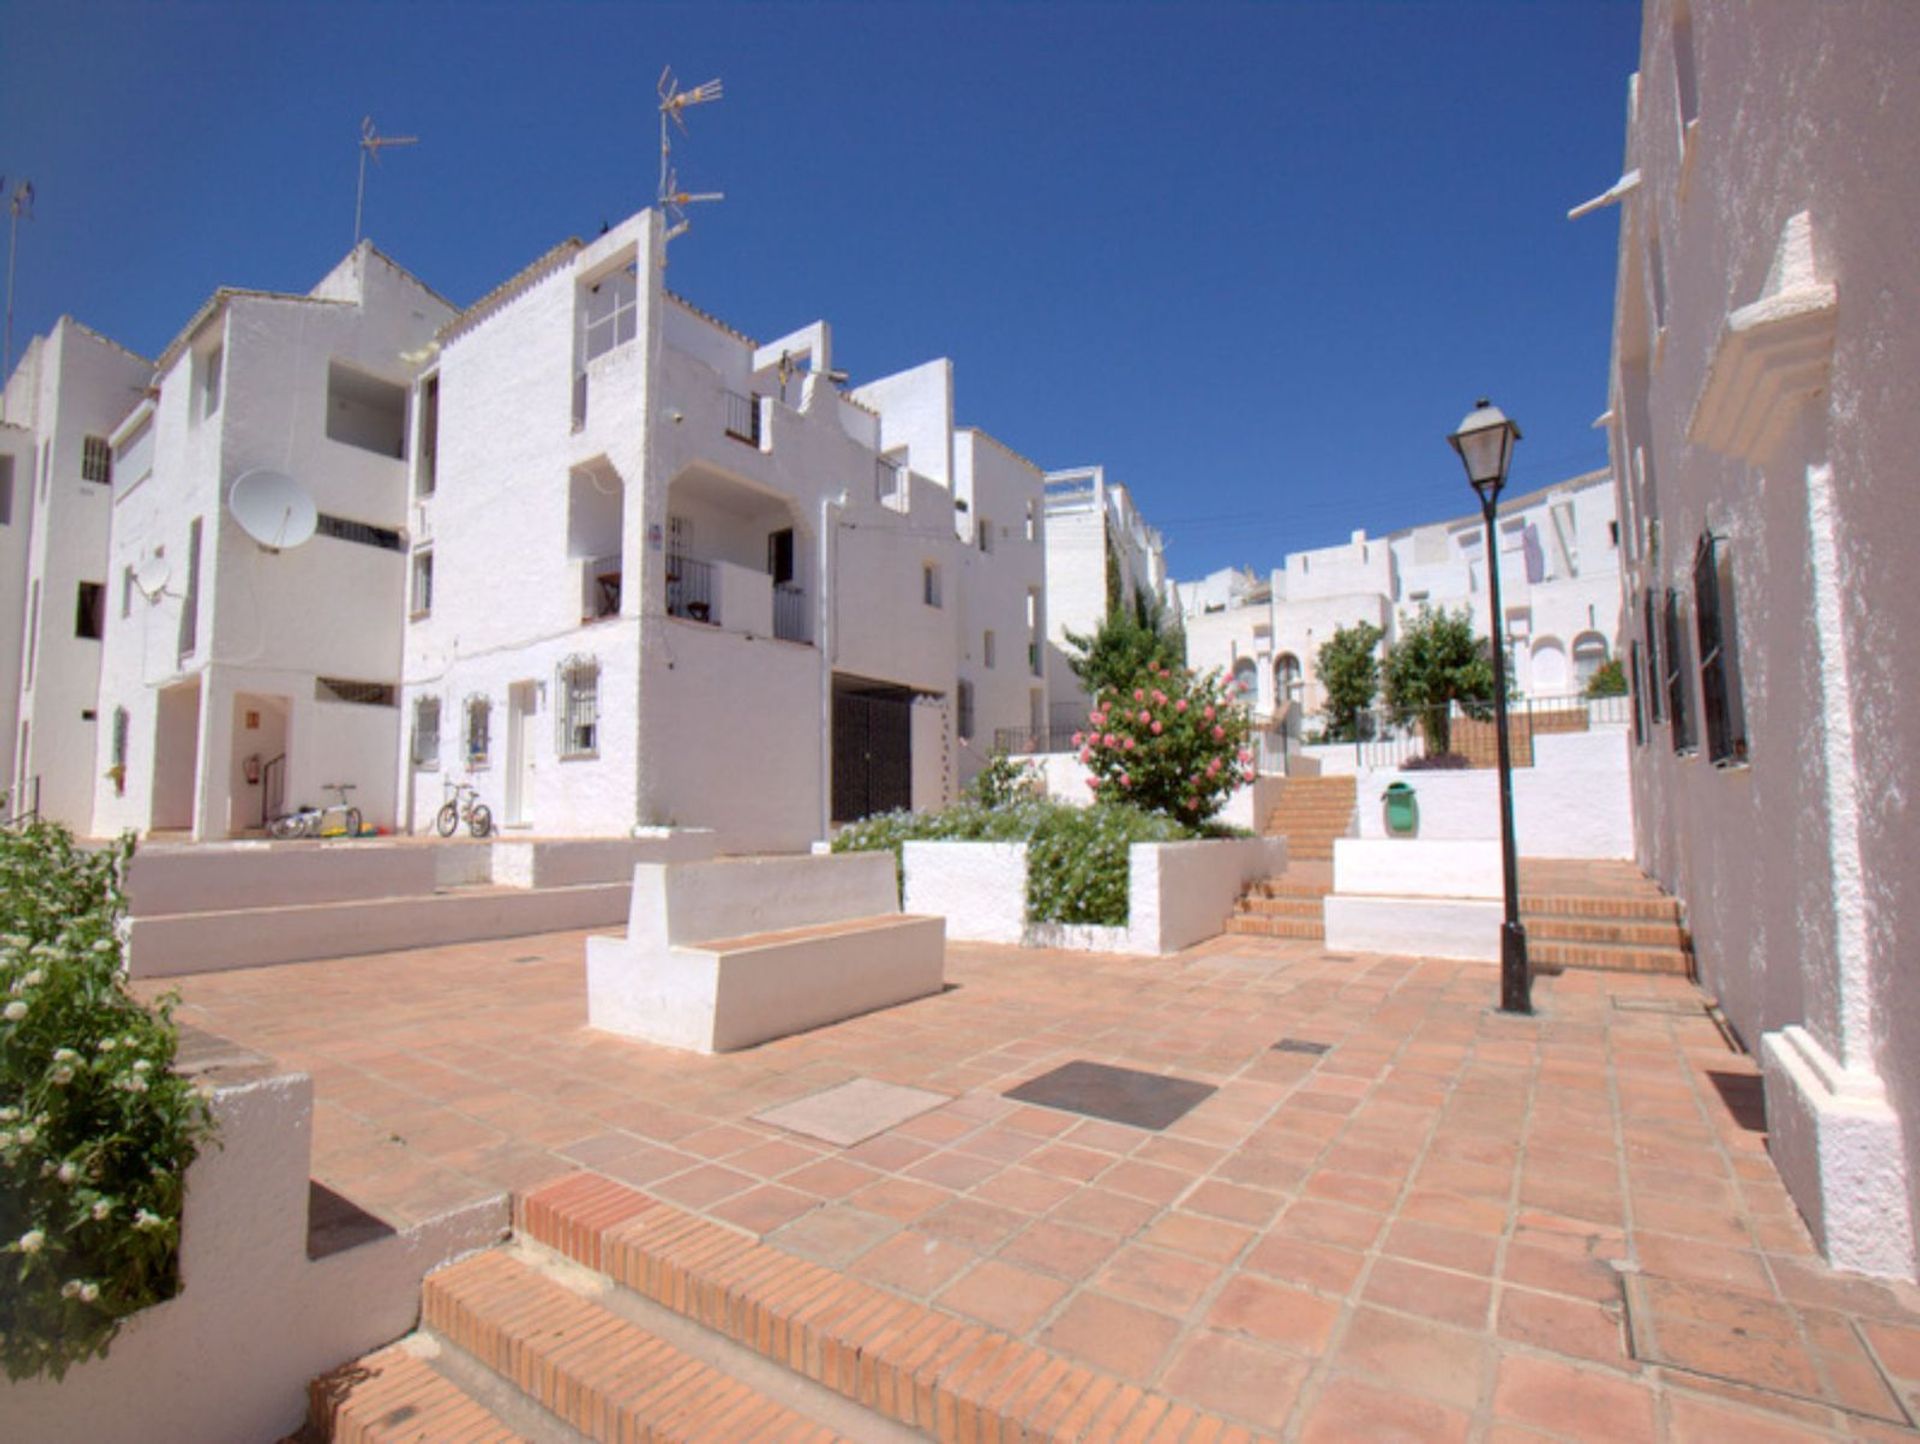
[[96, 1130], [1077, 862], [1608, 680], [1004, 782]]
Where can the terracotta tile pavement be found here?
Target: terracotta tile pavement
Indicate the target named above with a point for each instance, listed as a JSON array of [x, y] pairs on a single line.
[[1453, 1225]]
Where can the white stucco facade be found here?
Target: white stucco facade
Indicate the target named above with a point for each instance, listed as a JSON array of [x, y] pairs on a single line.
[[1559, 586], [1763, 434], [65, 398]]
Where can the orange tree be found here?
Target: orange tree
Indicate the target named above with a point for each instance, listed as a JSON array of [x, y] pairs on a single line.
[[1174, 742]]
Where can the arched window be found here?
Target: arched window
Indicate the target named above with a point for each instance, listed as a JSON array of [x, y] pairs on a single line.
[[1286, 678], [1247, 677], [1549, 676], [1589, 656]]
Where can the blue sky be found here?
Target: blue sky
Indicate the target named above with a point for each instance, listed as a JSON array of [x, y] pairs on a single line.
[[1255, 260]]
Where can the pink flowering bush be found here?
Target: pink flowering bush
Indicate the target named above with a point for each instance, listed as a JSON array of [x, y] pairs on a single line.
[[1174, 743]]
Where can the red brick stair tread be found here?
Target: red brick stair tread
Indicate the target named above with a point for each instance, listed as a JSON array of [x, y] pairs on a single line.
[[605, 1376], [900, 1358], [394, 1397]]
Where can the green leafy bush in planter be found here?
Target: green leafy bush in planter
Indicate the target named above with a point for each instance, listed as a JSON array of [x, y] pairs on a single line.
[[1077, 865], [96, 1131]]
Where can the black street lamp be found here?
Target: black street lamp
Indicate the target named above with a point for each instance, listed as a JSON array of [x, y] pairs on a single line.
[[1485, 443]]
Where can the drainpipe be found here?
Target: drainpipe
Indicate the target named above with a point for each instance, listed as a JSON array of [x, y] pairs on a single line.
[[827, 639]]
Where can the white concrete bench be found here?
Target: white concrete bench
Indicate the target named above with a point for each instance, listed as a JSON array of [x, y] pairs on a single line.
[[726, 954]]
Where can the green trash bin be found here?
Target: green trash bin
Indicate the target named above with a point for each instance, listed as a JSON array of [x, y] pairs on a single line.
[[1403, 813]]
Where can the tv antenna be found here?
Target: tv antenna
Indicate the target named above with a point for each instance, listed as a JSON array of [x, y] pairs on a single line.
[[371, 144], [673, 107], [19, 203]]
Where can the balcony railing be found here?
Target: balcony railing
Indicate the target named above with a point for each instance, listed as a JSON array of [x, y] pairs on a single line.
[[743, 418], [690, 591], [790, 615]]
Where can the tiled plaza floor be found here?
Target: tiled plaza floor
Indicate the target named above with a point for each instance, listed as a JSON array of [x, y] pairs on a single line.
[[1452, 1225]]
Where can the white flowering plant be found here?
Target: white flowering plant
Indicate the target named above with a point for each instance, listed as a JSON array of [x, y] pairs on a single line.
[[96, 1129]]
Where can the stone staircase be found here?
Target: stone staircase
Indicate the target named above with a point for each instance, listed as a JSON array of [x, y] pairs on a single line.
[[613, 1316], [1287, 906], [1602, 915], [1311, 813]]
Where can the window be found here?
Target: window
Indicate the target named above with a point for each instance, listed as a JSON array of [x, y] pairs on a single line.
[[963, 722], [930, 584], [1656, 679], [426, 732], [364, 411], [780, 556], [986, 536], [363, 694], [579, 710], [118, 756], [210, 381], [987, 648], [90, 612], [429, 436], [46, 466], [190, 604], [1033, 523], [96, 460], [126, 594], [609, 311], [479, 726], [359, 532], [133, 458], [6, 491], [1639, 683], [33, 629], [1720, 702], [423, 583], [1589, 656], [1677, 679]]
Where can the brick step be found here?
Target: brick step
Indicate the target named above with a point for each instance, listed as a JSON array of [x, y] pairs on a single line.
[[1281, 907], [1309, 851], [901, 1360], [1284, 886], [601, 1374], [1621, 907], [1567, 929], [1252, 925], [396, 1397], [1602, 957]]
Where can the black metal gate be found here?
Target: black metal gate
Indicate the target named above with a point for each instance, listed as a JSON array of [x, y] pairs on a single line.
[[872, 754]]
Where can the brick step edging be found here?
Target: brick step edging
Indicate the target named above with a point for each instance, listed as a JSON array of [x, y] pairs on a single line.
[[393, 1394], [902, 1359]]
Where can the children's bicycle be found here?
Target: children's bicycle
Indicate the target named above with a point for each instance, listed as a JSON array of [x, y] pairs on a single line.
[[336, 819], [463, 806]]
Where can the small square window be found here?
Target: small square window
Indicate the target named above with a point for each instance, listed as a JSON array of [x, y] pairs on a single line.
[[930, 584], [96, 460], [986, 536], [90, 614], [963, 720], [422, 584], [579, 711]]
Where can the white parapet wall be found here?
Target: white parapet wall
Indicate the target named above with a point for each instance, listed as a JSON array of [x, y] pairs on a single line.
[[725, 954], [1429, 898], [1575, 801], [1178, 893], [228, 1358]]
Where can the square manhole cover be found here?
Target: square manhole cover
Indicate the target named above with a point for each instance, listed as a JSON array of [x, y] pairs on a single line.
[[1119, 1095], [850, 1113]]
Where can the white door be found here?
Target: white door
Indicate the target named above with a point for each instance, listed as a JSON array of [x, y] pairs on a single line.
[[520, 705]]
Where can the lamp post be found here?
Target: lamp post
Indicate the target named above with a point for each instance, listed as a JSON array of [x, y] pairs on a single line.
[[1485, 444]]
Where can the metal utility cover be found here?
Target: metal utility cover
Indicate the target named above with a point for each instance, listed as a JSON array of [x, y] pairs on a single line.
[[1119, 1095]]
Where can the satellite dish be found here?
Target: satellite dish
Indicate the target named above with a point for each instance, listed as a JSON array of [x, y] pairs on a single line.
[[273, 509], [151, 577]]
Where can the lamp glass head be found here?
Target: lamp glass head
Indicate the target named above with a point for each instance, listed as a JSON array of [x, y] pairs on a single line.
[[1485, 444]]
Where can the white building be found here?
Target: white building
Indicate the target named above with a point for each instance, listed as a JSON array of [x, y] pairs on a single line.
[[1764, 435], [61, 404], [1559, 586], [1100, 555], [662, 575], [235, 679]]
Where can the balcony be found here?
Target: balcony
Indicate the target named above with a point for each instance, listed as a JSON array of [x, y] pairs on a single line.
[[791, 620], [692, 594], [740, 598]]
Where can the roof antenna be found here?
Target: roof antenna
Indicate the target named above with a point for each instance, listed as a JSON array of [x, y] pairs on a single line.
[[673, 105], [19, 203], [371, 144]]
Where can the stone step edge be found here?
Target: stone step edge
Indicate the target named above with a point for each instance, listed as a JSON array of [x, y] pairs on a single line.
[[1619, 909], [1633, 932], [591, 1369], [393, 1394], [929, 1370]]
